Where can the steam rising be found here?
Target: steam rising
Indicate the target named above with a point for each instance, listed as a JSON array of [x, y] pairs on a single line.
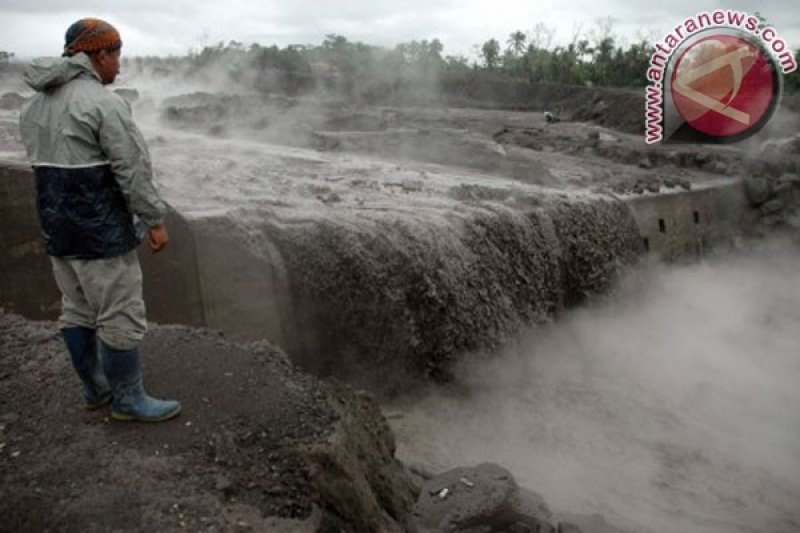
[[672, 407]]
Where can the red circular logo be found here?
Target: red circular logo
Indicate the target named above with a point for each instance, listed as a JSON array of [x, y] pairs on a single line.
[[723, 85]]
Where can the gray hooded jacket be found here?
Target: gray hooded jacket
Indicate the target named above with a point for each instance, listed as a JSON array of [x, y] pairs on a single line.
[[93, 171]]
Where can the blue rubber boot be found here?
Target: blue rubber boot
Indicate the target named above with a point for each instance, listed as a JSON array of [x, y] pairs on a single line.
[[131, 402], [82, 345]]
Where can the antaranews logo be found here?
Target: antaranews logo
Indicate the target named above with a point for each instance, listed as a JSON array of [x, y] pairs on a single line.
[[716, 78]]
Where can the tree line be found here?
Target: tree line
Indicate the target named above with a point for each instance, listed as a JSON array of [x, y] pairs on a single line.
[[600, 59]]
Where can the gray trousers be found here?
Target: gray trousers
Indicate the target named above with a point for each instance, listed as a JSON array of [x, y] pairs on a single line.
[[103, 294]]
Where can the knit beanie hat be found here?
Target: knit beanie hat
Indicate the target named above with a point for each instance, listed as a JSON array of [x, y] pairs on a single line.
[[91, 35]]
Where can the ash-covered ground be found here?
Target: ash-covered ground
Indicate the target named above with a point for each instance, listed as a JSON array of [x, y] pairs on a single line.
[[665, 408]]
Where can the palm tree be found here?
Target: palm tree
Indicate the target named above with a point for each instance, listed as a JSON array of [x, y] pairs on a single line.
[[517, 43]]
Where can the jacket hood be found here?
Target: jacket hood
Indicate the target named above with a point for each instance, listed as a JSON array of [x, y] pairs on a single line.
[[49, 73]]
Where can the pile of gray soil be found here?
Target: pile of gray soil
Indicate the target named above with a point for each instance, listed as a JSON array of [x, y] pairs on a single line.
[[258, 447]]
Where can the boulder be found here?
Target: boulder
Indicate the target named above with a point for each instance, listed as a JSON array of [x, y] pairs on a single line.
[[771, 207], [757, 190], [481, 498]]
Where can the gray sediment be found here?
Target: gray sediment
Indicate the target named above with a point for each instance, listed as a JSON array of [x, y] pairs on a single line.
[[394, 298]]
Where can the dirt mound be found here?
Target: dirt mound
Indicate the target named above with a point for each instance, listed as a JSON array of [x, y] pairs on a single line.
[[255, 448], [619, 109]]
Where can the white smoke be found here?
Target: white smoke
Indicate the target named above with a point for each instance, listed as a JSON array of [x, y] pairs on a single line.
[[672, 407]]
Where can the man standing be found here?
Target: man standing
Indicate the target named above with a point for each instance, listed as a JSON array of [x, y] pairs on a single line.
[[96, 199]]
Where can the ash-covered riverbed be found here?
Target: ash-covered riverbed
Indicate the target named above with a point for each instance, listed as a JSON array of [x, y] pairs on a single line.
[[671, 406], [668, 406]]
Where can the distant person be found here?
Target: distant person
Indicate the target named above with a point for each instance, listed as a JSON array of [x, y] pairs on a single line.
[[96, 201]]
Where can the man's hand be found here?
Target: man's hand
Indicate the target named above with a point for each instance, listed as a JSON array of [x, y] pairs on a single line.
[[159, 238]]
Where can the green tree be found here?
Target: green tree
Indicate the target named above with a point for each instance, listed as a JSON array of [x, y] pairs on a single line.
[[422, 53], [491, 53]]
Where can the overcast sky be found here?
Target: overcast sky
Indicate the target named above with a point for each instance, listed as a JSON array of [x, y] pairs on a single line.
[[154, 27]]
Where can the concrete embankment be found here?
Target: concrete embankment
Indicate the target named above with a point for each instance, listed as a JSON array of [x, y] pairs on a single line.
[[377, 298]]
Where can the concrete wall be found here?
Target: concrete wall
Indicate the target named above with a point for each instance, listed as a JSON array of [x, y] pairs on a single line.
[[692, 223], [223, 275], [205, 277], [26, 281], [243, 285]]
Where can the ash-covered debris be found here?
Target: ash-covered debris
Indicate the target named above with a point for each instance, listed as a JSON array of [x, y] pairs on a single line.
[[486, 498], [201, 108], [776, 199], [598, 240], [652, 184], [481, 498], [259, 445], [594, 143]]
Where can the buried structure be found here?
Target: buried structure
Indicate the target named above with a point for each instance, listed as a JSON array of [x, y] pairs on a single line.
[[378, 251]]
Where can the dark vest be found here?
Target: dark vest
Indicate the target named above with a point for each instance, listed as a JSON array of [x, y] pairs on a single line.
[[83, 213]]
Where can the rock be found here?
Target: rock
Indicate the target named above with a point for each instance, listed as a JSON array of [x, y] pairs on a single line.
[[551, 118], [311, 524], [793, 221], [645, 163], [467, 506], [653, 186], [787, 181], [528, 503], [719, 168], [599, 109], [411, 185], [757, 190], [355, 470], [492, 503], [593, 139], [770, 207], [331, 198]]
